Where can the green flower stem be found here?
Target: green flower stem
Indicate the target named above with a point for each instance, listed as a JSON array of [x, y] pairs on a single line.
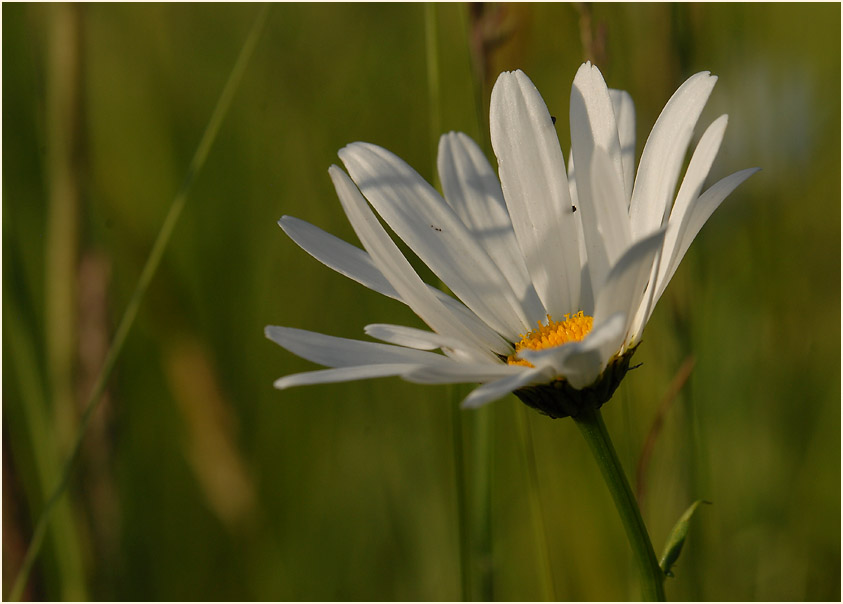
[[651, 577]]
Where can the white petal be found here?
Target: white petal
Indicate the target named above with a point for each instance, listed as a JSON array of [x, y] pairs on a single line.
[[664, 154], [586, 303], [625, 117], [472, 189], [484, 334], [462, 373], [389, 260], [593, 121], [343, 374], [343, 352], [422, 219], [605, 220], [572, 189], [700, 211], [337, 254], [532, 173], [626, 284], [356, 264], [597, 156], [692, 184], [582, 362], [411, 337], [500, 388]]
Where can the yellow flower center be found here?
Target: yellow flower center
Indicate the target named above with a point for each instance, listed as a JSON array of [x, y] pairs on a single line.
[[555, 333]]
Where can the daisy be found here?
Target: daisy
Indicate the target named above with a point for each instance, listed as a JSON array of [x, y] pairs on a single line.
[[553, 272]]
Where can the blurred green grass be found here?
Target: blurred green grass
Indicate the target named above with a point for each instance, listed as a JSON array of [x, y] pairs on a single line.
[[199, 481]]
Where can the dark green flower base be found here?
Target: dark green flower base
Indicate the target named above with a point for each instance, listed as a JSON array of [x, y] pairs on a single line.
[[559, 399]]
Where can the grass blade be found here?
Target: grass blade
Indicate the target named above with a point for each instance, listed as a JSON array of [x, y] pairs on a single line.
[[148, 272]]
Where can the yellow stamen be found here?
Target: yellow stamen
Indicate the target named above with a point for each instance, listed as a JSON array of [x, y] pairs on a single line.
[[572, 329]]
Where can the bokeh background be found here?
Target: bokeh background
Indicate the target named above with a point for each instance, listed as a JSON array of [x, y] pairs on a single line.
[[197, 480]]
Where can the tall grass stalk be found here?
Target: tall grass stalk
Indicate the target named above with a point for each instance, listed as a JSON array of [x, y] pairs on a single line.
[[481, 422], [38, 430], [536, 509], [148, 272], [453, 397], [460, 488], [432, 56], [63, 168], [474, 496]]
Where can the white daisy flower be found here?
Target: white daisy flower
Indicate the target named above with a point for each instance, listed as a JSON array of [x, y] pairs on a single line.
[[554, 272]]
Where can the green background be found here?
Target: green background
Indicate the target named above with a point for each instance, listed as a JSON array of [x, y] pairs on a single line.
[[199, 481]]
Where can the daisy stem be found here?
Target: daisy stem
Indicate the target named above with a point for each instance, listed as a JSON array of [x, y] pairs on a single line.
[[651, 578]]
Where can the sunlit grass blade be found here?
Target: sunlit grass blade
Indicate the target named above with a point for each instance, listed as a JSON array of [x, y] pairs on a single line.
[[63, 166], [148, 272], [51, 426]]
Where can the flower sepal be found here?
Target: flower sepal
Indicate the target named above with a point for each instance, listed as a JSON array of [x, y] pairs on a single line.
[[559, 399]]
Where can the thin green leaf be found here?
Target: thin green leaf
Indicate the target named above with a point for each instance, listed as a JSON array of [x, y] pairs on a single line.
[[677, 538]]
